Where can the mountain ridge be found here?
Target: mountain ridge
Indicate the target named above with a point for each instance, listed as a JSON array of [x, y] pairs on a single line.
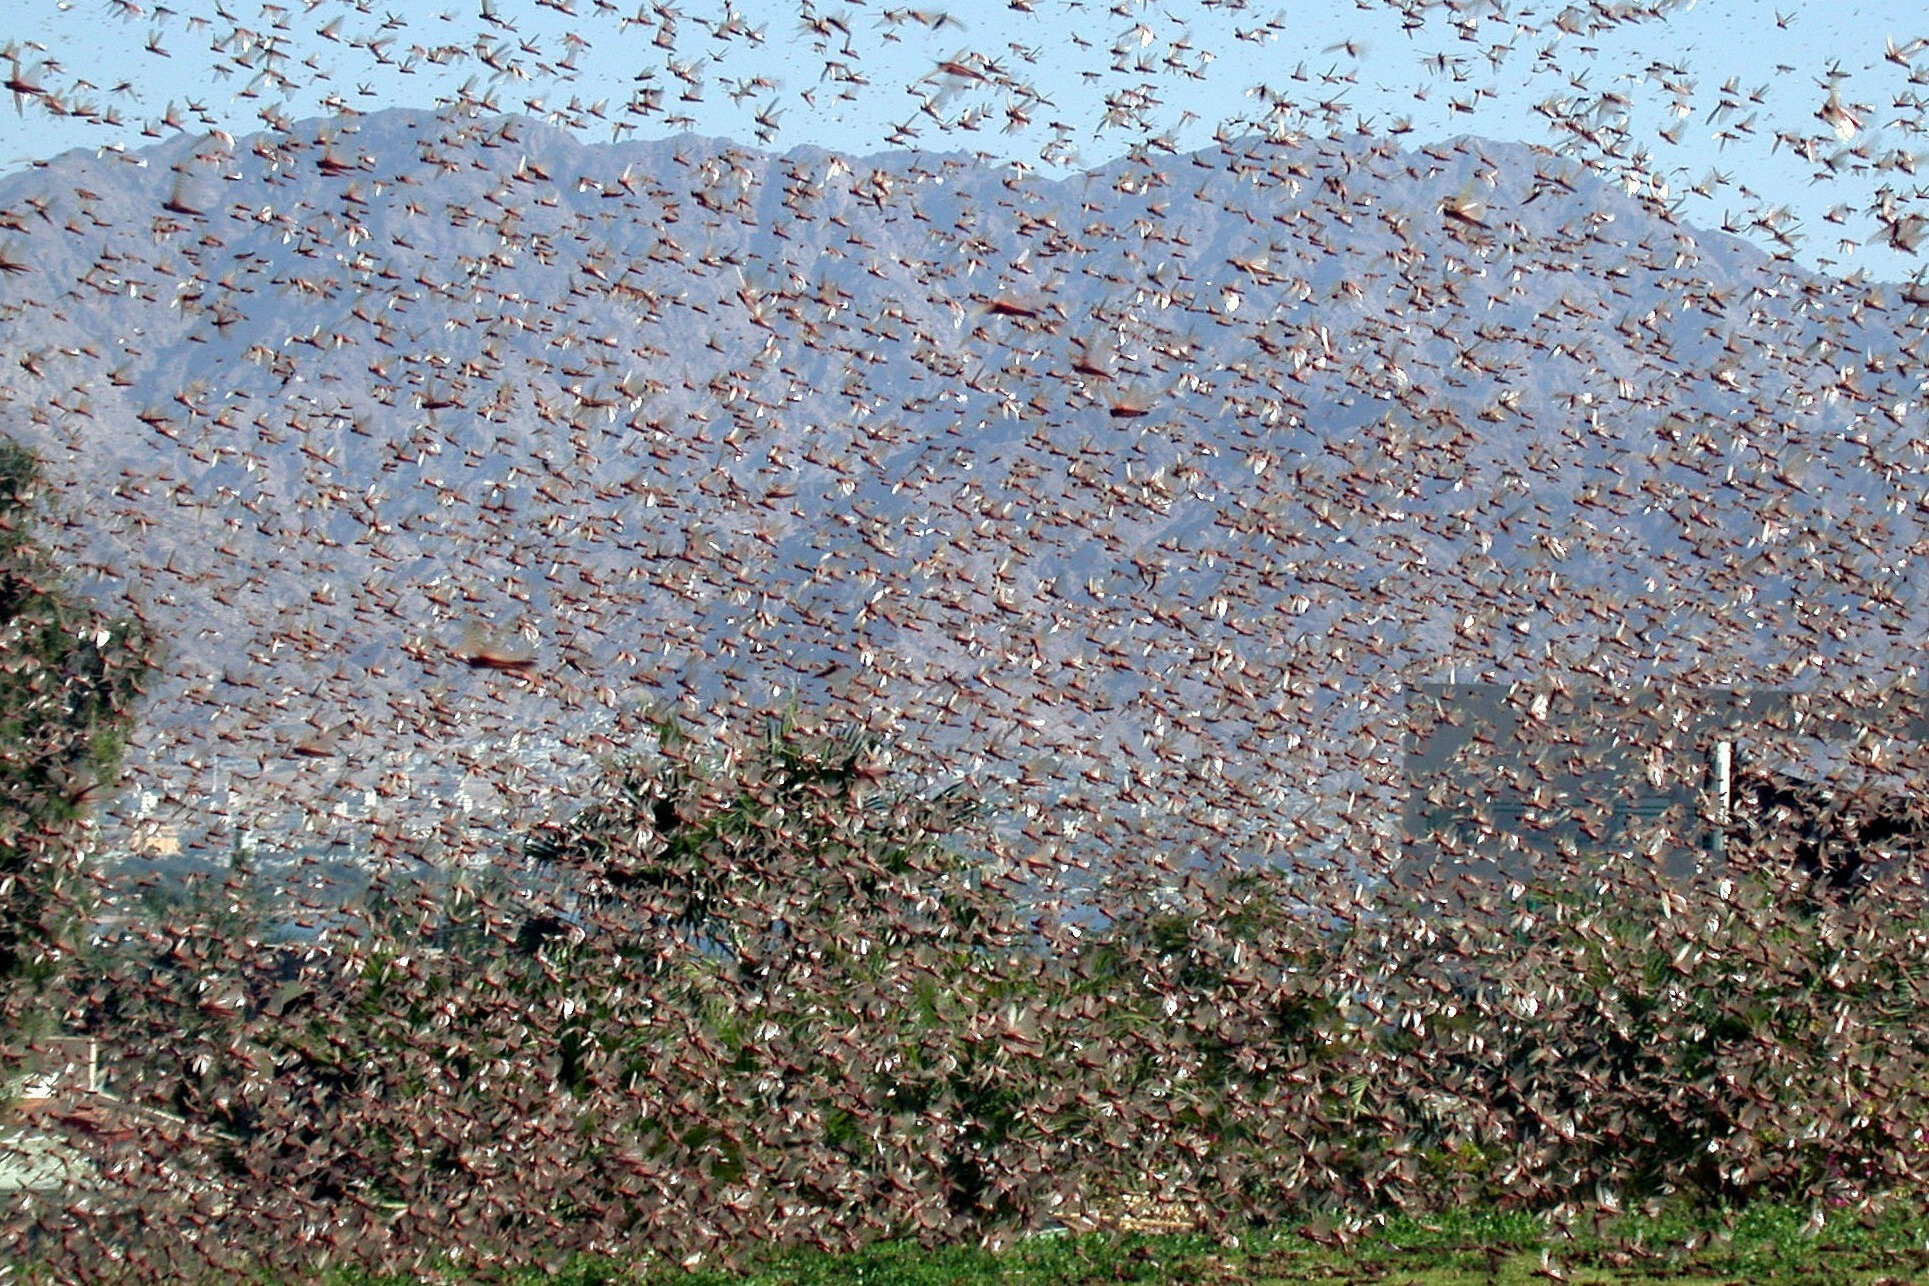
[[1155, 482]]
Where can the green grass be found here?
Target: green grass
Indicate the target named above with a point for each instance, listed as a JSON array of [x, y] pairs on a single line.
[[1769, 1246]]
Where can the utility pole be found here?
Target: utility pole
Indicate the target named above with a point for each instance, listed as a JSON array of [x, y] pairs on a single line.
[[1721, 781]]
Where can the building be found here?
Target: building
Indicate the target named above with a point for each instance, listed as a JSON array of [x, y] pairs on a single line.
[[62, 1118], [1504, 780]]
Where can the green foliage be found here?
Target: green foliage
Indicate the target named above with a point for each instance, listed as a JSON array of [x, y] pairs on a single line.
[[753, 857], [780, 1004], [1630, 1040], [1774, 1245], [798, 903], [788, 986], [69, 683]]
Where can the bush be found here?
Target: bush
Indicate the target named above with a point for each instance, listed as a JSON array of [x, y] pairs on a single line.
[[69, 682], [774, 999]]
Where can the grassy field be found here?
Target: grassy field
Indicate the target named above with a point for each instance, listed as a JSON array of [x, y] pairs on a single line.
[[1771, 1246], [1762, 1246]]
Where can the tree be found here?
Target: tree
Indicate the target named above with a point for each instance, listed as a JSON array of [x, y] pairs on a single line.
[[69, 681], [1837, 838], [857, 994], [799, 845]]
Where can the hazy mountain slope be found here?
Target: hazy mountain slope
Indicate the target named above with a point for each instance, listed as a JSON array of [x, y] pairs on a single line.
[[1152, 484]]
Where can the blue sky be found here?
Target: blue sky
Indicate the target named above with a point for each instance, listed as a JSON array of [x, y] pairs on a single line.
[[1694, 97]]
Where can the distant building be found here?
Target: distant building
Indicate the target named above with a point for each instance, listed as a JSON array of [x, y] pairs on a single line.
[[58, 1117], [53, 1075], [152, 839], [58, 1063], [1504, 779]]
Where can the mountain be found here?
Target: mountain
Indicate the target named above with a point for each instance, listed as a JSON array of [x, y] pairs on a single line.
[[445, 448]]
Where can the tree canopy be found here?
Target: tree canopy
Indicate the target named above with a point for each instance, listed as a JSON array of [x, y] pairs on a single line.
[[753, 856], [70, 678]]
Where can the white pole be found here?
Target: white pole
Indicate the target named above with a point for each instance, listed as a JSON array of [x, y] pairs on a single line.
[[1724, 774]]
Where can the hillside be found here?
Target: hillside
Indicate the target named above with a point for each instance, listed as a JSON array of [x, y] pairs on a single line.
[[441, 448]]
